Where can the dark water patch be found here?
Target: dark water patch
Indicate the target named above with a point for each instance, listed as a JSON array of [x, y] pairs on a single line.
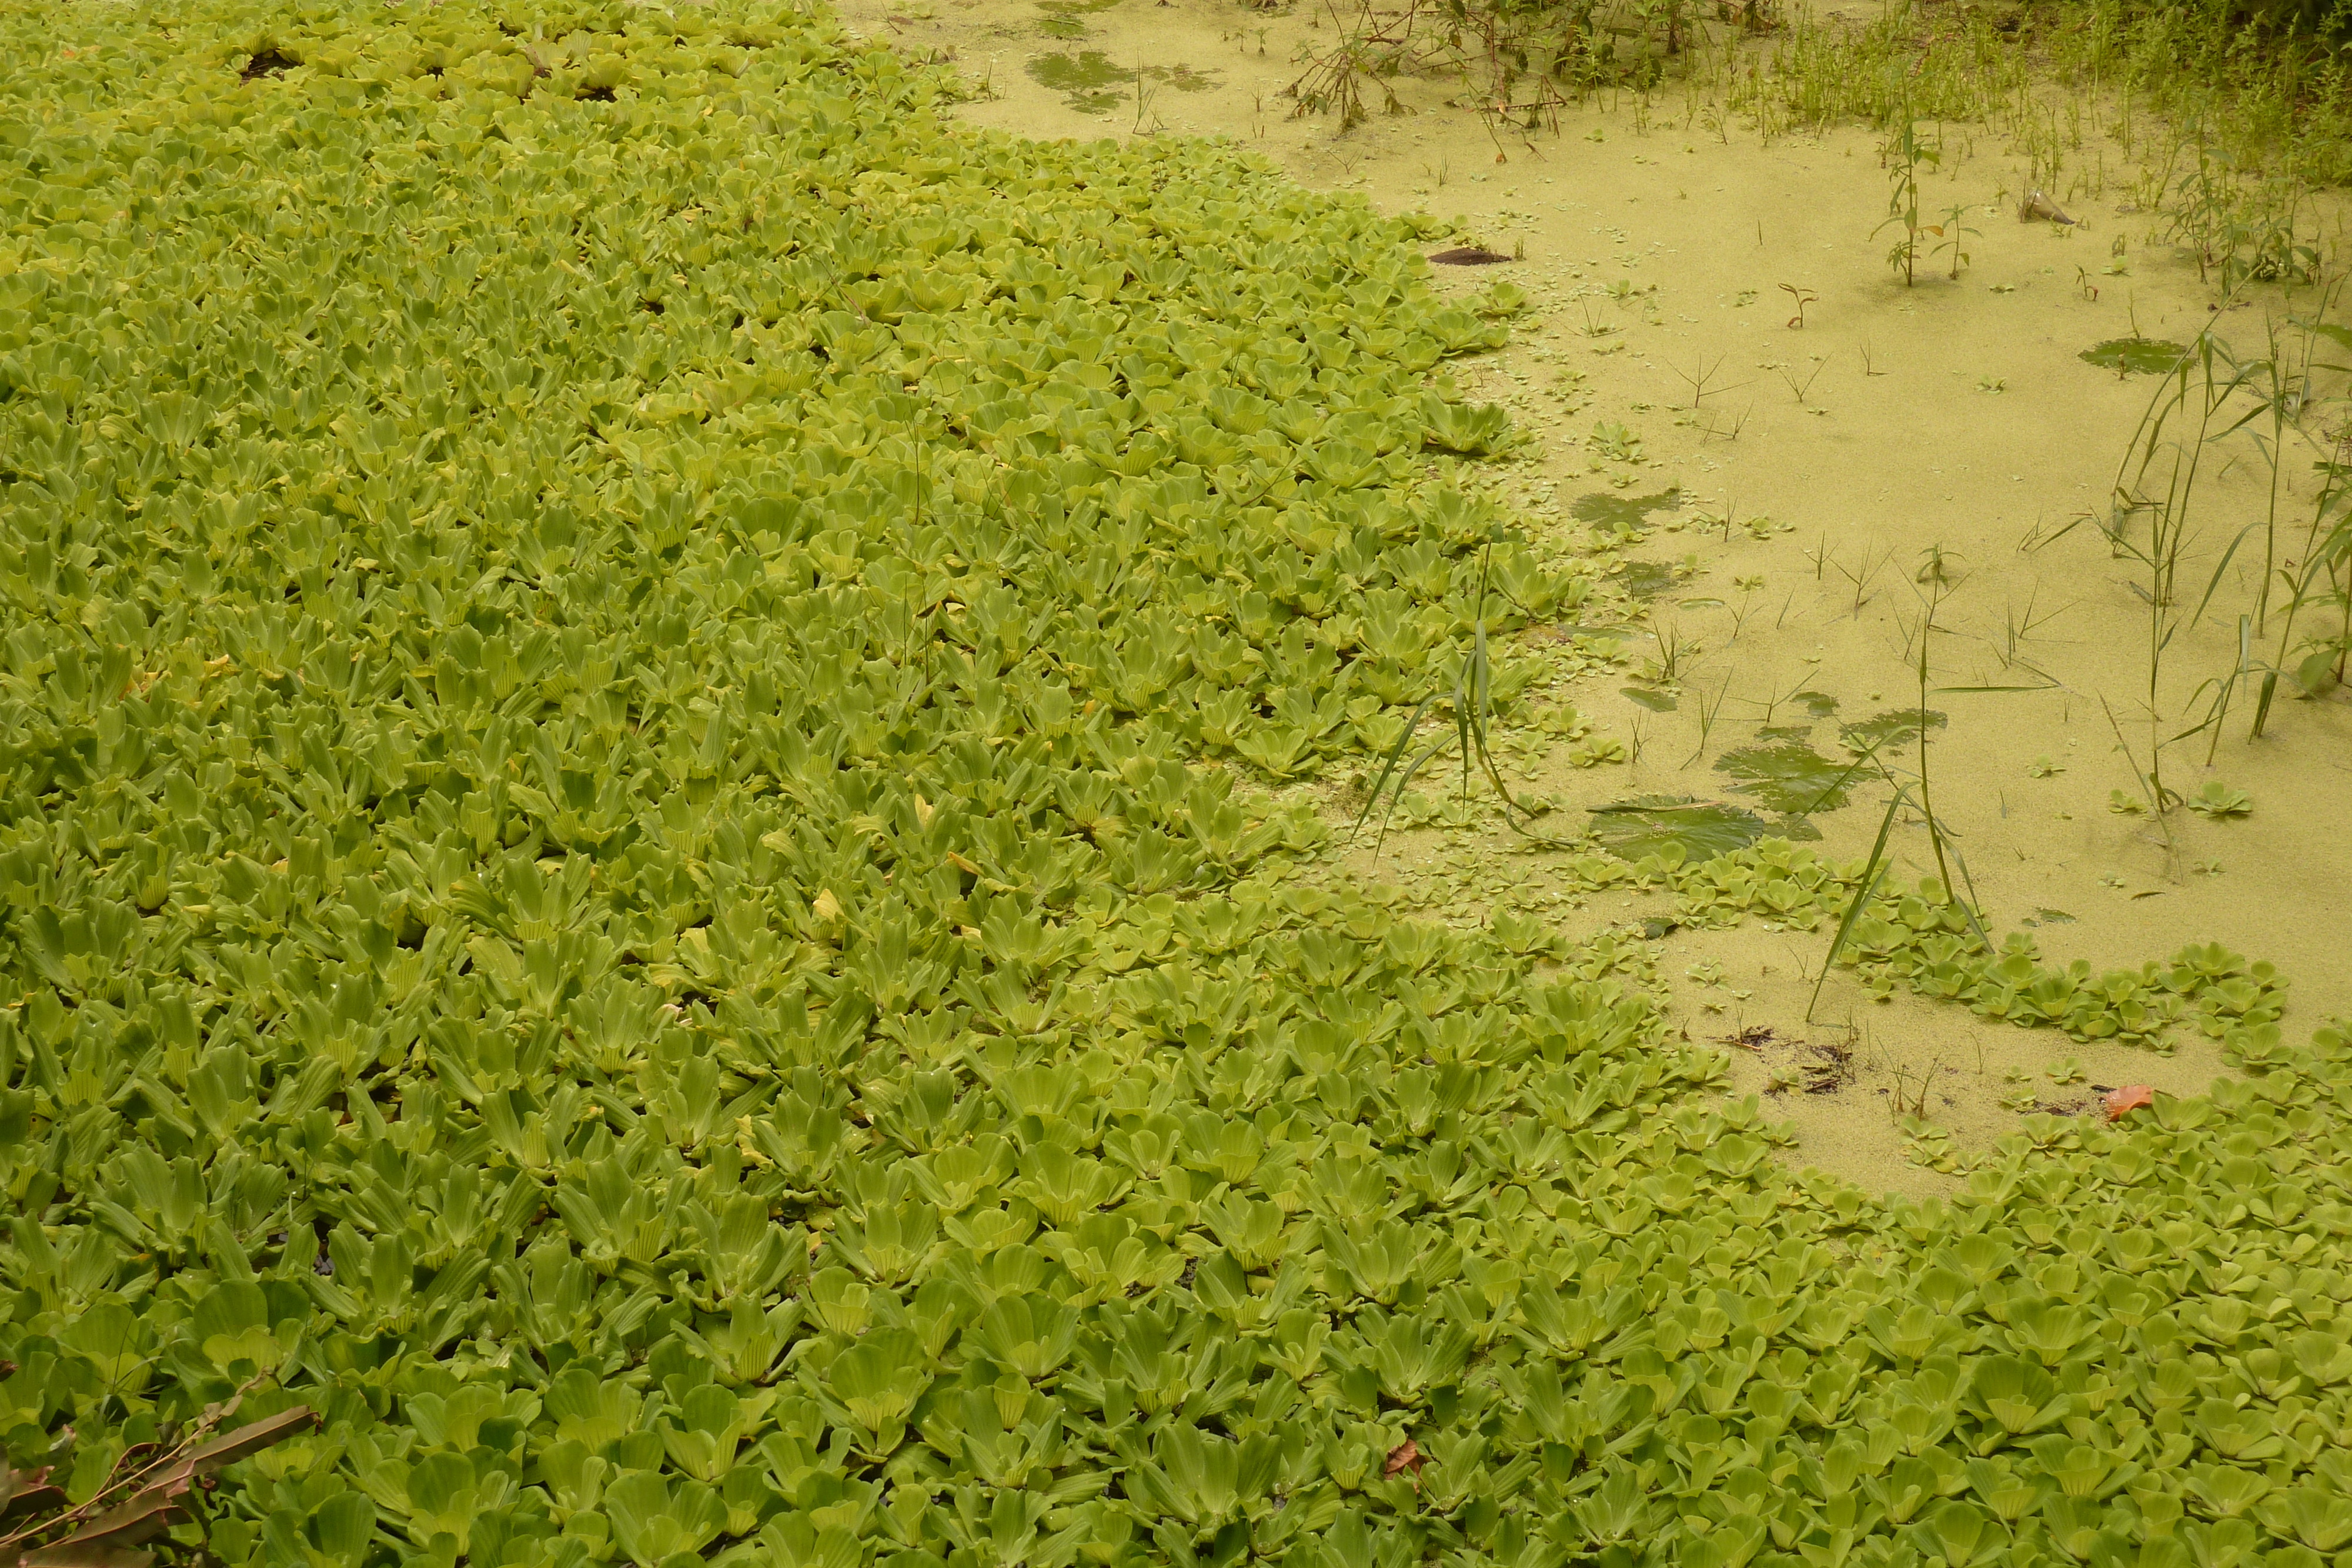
[[1062, 17], [1790, 776], [1084, 80], [1093, 84], [1649, 698], [1883, 731], [1647, 824], [2135, 356], [1624, 514], [1646, 578]]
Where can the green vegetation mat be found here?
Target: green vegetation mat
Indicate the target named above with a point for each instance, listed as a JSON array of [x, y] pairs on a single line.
[[625, 663]]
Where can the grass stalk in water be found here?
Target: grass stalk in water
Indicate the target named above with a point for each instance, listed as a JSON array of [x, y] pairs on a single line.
[[2324, 577], [2199, 384], [1471, 698]]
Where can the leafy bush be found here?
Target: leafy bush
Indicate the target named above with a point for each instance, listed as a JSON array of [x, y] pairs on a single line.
[[622, 873]]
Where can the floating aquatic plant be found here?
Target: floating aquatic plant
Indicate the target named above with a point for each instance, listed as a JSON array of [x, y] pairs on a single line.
[[2136, 356], [630, 870]]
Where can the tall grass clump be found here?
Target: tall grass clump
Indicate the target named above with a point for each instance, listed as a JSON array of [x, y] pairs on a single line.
[[2270, 83], [2290, 628], [1906, 62], [1522, 60]]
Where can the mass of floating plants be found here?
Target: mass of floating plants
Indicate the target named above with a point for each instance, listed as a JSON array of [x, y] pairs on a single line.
[[655, 901]]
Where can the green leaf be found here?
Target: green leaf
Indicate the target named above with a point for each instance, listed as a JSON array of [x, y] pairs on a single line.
[[655, 1519]]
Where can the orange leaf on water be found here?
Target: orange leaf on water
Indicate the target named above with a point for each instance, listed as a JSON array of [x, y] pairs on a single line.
[[1405, 1456], [2130, 1097]]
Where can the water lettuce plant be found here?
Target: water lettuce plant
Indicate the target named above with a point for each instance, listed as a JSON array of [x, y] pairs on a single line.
[[630, 868]]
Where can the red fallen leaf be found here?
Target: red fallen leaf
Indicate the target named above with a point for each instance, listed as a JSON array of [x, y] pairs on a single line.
[[1405, 1456], [2130, 1097]]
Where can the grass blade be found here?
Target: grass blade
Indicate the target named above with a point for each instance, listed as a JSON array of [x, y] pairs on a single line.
[[1874, 872], [1389, 767]]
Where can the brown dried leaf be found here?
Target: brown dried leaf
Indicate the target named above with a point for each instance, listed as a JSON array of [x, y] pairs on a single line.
[[145, 1516], [84, 1557], [15, 1485], [231, 1447], [1405, 1456], [31, 1497], [2129, 1098]]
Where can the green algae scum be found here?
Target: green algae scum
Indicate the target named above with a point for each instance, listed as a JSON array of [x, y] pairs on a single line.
[[660, 725]]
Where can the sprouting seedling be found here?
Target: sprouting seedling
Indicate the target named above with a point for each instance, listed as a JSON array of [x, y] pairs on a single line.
[[1952, 230], [1771, 702], [1802, 297], [2021, 626], [1937, 565], [1707, 709], [1801, 387], [1740, 614], [1863, 578], [1903, 155], [1676, 654], [1715, 430], [2084, 286], [1704, 373], [1914, 1102]]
